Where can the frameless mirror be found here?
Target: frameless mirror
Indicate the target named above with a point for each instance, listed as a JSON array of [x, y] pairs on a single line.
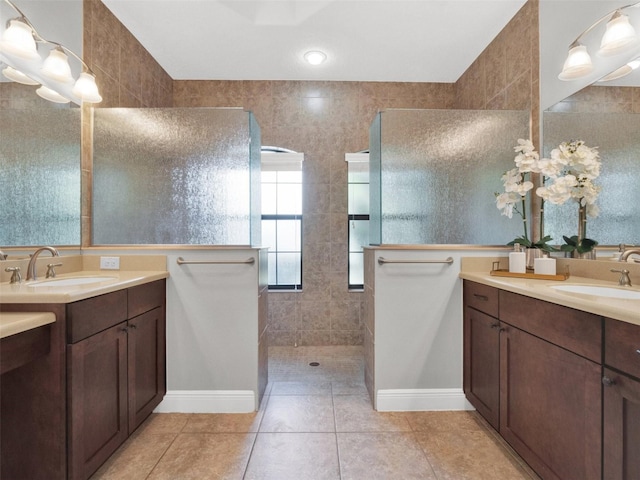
[[608, 117], [40, 148]]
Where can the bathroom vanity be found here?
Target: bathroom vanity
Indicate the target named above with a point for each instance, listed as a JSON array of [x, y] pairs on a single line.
[[559, 383], [67, 409]]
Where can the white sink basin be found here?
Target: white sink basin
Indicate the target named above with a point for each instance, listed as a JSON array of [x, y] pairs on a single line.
[[599, 291], [69, 282]]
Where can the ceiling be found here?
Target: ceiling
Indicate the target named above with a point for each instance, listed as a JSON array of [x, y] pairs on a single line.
[[365, 40]]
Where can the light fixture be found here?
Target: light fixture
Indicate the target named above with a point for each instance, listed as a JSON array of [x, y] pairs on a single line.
[[578, 63], [315, 57], [17, 76], [24, 64], [619, 37], [56, 66], [18, 39], [51, 95], [624, 70]]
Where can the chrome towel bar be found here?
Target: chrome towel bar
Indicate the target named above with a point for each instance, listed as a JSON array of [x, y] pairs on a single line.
[[248, 261], [382, 261]]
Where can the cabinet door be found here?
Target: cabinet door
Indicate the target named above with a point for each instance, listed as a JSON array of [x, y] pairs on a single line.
[[621, 427], [550, 406], [482, 363], [147, 384], [97, 399]]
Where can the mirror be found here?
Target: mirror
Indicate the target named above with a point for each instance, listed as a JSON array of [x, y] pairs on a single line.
[[603, 115], [40, 149]]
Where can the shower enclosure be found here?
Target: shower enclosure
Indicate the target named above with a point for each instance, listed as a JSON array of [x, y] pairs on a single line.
[[176, 176], [434, 174]]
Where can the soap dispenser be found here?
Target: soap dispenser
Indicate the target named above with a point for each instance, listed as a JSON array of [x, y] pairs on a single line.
[[545, 265], [517, 260]]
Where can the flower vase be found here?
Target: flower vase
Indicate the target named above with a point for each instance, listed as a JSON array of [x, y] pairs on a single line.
[[531, 254], [582, 233]]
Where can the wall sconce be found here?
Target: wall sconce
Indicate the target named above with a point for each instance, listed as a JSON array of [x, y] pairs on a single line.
[[24, 64], [619, 37]]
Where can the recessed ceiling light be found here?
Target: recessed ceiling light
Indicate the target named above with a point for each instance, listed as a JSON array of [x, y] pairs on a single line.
[[315, 57]]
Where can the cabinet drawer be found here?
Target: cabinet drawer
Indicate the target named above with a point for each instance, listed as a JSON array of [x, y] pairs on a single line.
[[622, 346], [481, 297], [90, 316], [578, 332], [143, 298]]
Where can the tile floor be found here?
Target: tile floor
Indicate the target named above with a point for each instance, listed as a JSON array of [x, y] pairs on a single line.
[[316, 422]]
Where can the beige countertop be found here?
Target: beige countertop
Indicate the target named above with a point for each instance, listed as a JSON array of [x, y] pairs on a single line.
[[45, 292], [619, 309], [12, 323]]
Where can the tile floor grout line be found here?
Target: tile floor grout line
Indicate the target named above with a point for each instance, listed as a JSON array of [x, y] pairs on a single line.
[[162, 456], [255, 439]]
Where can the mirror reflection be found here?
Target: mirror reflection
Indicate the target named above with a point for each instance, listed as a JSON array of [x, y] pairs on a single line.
[[603, 116]]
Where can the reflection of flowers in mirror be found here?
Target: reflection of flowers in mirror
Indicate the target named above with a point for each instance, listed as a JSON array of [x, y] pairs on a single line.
[[571, 170]]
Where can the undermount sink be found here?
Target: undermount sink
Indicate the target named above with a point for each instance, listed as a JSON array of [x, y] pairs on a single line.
[[69, 282], [599, 291]]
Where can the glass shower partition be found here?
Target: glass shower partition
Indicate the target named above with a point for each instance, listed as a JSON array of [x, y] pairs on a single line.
[[434, 174], [176, 176]]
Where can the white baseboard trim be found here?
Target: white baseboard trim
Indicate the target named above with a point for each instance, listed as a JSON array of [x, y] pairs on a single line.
[[418, 400], [208, 401]]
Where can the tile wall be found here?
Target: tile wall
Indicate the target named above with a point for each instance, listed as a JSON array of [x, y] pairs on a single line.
[[324, 120], [601, 99]]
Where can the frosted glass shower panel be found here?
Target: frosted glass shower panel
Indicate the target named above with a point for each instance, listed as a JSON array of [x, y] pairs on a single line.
[[439, 170], [173, 176], [40, 176], [616, 135]]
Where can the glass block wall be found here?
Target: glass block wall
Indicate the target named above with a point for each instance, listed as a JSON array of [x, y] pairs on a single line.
[[434, 174], [174, 176], [616, 135], [40, 176]]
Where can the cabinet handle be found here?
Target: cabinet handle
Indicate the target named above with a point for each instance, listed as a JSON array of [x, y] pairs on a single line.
[[608, 382], [124, 329], [638, 351], [481, 297], [132, 326], [495, 325]]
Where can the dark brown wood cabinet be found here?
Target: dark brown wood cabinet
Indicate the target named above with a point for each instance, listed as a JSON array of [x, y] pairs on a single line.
[[482, 351], [621, 421], [97, 400], [547, 395], [116, 377], [103, 372]]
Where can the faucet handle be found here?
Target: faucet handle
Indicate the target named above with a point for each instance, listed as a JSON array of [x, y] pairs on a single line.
[[51, 273], [624, 279], [16, 277]]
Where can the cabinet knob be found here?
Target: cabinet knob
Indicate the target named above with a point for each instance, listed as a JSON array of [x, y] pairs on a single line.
[[495, 325], [638, 351], [132, 326], [608, 382], [124, 329]]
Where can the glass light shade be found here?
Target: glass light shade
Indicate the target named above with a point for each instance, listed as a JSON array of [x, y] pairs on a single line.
[[56, 67], [634, 63], [51, 95], [86, 88], [578, 64], [315, 57], [618, 37], [617, 73], [17, 76], [18, 40]]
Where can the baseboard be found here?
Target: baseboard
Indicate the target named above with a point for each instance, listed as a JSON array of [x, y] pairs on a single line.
[[208, 401], [422, 400]]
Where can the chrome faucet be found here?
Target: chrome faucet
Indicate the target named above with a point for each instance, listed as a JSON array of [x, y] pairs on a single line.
[[624, 280], [31, 268], [626, 253]]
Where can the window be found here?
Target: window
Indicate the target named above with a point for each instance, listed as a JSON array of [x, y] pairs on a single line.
[[358, 215], [282, 217]]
